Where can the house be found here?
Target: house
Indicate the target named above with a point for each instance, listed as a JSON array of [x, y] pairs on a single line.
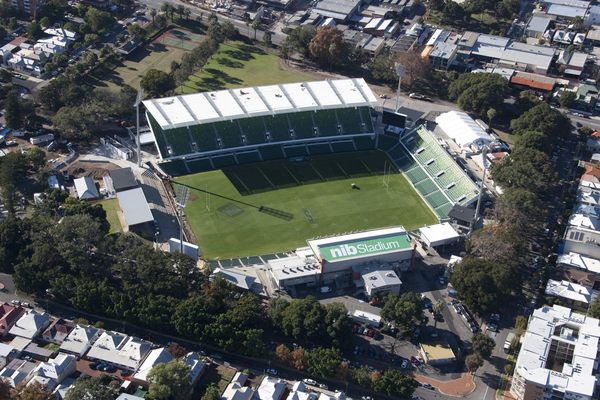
[[62, 33], [61, 390], [86, 188], [242, 281], [5, 354], [30, 325], [117, 349], [56, 370], [270, 388], [197, 366], [236, 389], [590, 178], [155, 357], [80, 340], [17, 371], [587, 96], [570, 293], [9, 314], [533, 81], [57, 331]]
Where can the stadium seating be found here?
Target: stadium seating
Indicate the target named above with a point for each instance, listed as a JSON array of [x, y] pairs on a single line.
[[273, 152], [160, 140], [178, 140], [436, 199], [204, 136], [364, 143], [385, 142], [295, 151], [365, 115], [229, 133], [278, 127], [223, 161], [327, 123], [316, 149], [248, 158], [303, 125], [200, 165], [174, 167], [350, 120], [416, 174], [426, 187], [253, 129]]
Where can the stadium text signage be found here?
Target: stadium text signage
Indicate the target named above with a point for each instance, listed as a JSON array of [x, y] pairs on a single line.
[[362, 248]]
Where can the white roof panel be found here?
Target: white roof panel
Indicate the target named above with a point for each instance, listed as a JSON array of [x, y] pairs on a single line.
[[225, 103], [349, 91], [200, 107], [250, 100], [275, 98], [324, 94], [300, 95]]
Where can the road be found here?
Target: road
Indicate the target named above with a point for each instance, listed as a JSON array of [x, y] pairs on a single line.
[[276, 37]]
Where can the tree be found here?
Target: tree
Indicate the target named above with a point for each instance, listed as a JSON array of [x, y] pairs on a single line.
[[473, 362], [229, 30], [327, 46], [491, 114], [594, 309], [98, 21], [526, 169], [479, 92], [34, 391], [483, 345], [4, 389], [282, 353], [153, 14], [520, 324], [267, 39], [483, 285], [96, 388], [180, 10], [298, 358], [437, 308], [323, 362], [36, 157], [394, 383], [533, 140], [405, 311], [416, 69], [157, 83], [382, 69], [136, 31], [169, 381], [211, 393], [567, 99], [542, 118], [45, 22], [12, 115], [452, 12], [34, 30]]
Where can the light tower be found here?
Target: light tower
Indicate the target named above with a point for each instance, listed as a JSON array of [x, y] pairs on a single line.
[[138, 100], [400, 71]]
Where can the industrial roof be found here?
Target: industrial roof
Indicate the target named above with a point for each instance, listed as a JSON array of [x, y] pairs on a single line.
[[539, 23], [361, 244], [338, 9], [134, 206], [293, 267], [224, 105], [566, 11], [443, 50], [534, 81], [570, 3], [380, 279], [439, 234], [560, 324], [122, 178]]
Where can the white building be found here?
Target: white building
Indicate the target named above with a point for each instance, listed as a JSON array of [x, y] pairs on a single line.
[[570, 292], [558, 357], [80, 340], [462, 129], [381, 282], [55, 370], [86, 188], [197, 366], [17, 371], [117, 349], [30, 325], [439, 234], [155, 357]]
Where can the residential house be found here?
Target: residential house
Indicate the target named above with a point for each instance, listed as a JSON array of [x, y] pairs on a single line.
[[54, 371], [155, 357], [30, 325], [126, 352], [62, 33], [270, 388], [197, 366], [9, 314], [538, 24], [442, 55], [57, 331], [61, 390], [17, 371], [580, 269], [570, 293], [593, 141], [80, 339], [28, 61], [5, 354], [237, 389]]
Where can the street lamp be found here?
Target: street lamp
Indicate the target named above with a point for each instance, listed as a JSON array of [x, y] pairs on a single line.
[[400, 71]]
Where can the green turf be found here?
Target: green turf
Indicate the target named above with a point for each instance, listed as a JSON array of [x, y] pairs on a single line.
[[237, 64], [333, 206], [111, 206]]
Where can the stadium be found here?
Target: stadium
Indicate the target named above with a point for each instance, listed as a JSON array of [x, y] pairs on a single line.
[[312, 158]]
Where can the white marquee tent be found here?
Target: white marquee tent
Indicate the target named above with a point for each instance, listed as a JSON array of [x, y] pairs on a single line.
[[462, 129]]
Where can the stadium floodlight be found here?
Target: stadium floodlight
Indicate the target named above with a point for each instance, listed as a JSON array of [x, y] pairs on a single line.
[[400, 71], [481, 188], [138, 100], [182, 196]]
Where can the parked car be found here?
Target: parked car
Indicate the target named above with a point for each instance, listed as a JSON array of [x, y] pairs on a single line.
[[495, 317], [414, 360], [405, 364], [427, 386], [419, 96], [271, 371], [309, 381], [323, 386]]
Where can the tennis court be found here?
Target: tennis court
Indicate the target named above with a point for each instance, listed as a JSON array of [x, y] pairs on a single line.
[[180, 38]]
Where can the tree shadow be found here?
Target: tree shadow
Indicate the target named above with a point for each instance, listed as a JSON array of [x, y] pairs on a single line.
[[251, 49], [239, 55], [229, 62]]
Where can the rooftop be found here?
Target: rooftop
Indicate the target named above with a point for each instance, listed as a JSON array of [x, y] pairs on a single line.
[[561, 325], [579, 261], [293, 267], [381, 279], [30, 324], [119, 349], [362, 244], [566, 11], [539, 23], [569, 290], [230, 104], [80, 339], [134, 206], [437, 351], [155, 357], [86, 188], [534, 81], [122, 179]]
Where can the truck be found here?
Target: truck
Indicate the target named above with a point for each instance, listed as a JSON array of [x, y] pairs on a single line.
[[508, 342], [42, 139]]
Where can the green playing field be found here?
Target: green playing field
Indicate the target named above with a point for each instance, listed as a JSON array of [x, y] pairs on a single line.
[[229, 224]]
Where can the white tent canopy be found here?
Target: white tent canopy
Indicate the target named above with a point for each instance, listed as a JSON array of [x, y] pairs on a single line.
[[462, 129], [438, 235]]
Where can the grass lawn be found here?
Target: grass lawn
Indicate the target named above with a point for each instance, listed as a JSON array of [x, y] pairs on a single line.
[[231, 229], [111, 206], [52, 347], [130, 71], [218, 375], [237, 64]]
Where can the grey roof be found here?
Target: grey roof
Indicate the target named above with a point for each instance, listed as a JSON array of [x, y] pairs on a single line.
[[461, 213], [381, 278], [443, 50], [134, 206], [411, 113], [538, 23], [339, 9], [566, 11], [123, 179], [237, 279]]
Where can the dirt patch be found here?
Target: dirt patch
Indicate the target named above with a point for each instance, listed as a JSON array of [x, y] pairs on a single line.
[[95, 169]]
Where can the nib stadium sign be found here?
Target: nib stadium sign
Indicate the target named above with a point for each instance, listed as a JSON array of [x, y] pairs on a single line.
[[364, 248]]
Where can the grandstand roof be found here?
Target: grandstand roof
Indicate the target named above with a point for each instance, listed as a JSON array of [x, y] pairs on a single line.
[[225, 105]]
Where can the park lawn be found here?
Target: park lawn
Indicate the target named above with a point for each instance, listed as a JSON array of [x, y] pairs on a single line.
[[237, 64], [332, 208], [111, 206]]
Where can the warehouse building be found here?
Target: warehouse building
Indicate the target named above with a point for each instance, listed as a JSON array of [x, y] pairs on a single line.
[[136, 210]]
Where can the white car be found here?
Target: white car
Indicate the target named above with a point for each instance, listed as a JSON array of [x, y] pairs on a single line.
[[271, 371], [309, 381]]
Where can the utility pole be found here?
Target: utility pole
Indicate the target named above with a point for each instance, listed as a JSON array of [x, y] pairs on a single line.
[[481, 188], [400, 71], [138, 100]]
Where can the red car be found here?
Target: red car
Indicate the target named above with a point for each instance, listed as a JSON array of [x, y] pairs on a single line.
[[371, 333], [414, 360]]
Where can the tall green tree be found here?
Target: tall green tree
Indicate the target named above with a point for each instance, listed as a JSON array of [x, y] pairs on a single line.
[[86, 387], [405, 310], [12, 114], [394, 383], [473, 362], [323, 362], [211, 393], [542, 118], [169, 381], [34, 30], [479, 92], [594, 309], [483, 345], [525, 168], [157, 83]]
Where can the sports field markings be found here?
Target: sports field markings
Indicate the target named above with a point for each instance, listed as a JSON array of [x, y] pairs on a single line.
[[308, 215]]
